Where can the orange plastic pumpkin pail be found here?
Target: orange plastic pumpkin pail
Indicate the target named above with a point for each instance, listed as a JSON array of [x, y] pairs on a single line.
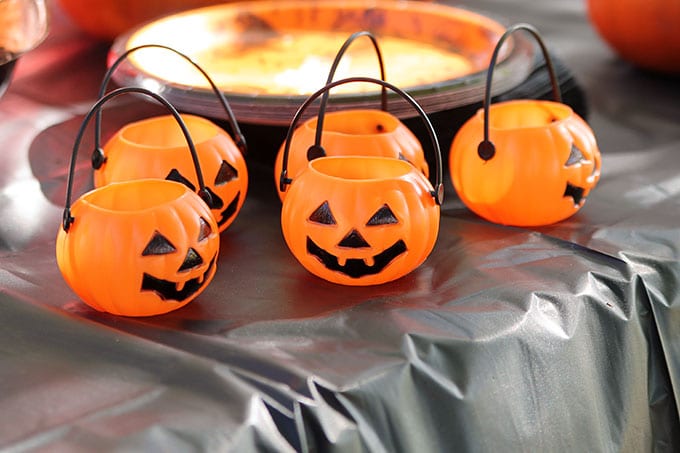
[[360, 220], [524, 162]]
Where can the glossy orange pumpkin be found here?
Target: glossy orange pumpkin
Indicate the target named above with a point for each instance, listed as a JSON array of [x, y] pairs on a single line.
[[119, 259], [524, 162], [140, 247], [156, 148], [356, 132], [644, 32], [360, 220]]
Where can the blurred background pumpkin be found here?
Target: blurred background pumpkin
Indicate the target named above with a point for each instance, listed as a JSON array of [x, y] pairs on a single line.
[[643, 32], [106, 19]]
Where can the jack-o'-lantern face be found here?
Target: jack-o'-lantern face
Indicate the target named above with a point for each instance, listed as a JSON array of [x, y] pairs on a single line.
[[139, 248], [156, 148], [545, 164], [372, 133], [190, 275], [359, 220], [354, 256]]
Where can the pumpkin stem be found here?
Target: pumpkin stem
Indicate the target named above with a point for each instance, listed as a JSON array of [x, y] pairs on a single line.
[[438, 189], [486, 150], [67, 218], [239, 138], [331, 74]]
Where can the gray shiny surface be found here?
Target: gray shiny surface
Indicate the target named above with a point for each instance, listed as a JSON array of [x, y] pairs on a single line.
[[561, 338]]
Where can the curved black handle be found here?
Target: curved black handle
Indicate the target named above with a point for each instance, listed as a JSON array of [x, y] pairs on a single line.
[[98, 157], [202, 191], [437, 193], [317, 150], [486, 149]]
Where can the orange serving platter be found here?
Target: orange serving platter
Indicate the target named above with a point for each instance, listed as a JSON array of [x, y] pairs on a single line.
[[268, 56]]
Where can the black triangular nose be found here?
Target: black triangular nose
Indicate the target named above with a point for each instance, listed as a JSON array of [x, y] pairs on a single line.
[[192, 260], [354, 240]]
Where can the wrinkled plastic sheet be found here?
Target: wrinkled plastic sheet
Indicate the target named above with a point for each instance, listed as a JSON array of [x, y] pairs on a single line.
[[561, 338]]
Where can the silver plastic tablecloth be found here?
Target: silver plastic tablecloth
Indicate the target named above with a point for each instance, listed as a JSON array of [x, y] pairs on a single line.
[[562, 338]]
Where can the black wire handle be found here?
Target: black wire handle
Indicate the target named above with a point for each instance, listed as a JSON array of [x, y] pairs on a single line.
[[437, 193], [202, 191], [316, 150], [486, 149], [98, 157]]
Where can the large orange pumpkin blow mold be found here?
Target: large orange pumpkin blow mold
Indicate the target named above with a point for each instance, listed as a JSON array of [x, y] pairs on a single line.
[[140, 247], [353, 132], [155, 148], [524, 162], [360, 220]]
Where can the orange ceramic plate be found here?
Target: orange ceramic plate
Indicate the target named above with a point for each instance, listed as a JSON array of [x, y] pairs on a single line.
[[268, 56]]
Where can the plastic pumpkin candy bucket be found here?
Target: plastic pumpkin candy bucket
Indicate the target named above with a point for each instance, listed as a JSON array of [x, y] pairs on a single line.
[[139, 247], [351, 132], [524, 162], [155, 148], [360, 220]]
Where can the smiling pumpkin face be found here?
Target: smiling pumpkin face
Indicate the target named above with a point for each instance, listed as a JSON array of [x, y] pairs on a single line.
[[156, 148], [546, 163], [359, 220], [139, 248], [191, 268]]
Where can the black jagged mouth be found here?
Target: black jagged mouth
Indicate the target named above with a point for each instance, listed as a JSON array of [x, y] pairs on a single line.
[[229, 211], [575, 192], [356, 267], [167, 290]]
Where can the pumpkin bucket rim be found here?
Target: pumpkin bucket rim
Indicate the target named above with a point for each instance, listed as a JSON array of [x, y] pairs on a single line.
[[370, 164], [568, 113], [208, 131], [391, 127], [171, 192]]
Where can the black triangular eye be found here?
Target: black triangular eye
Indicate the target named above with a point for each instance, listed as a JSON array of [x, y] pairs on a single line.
[[323, 215], [575, 156], [158, 245], [383, 216], [176, 176], [225, 174], [192, 260], [205, 230]]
